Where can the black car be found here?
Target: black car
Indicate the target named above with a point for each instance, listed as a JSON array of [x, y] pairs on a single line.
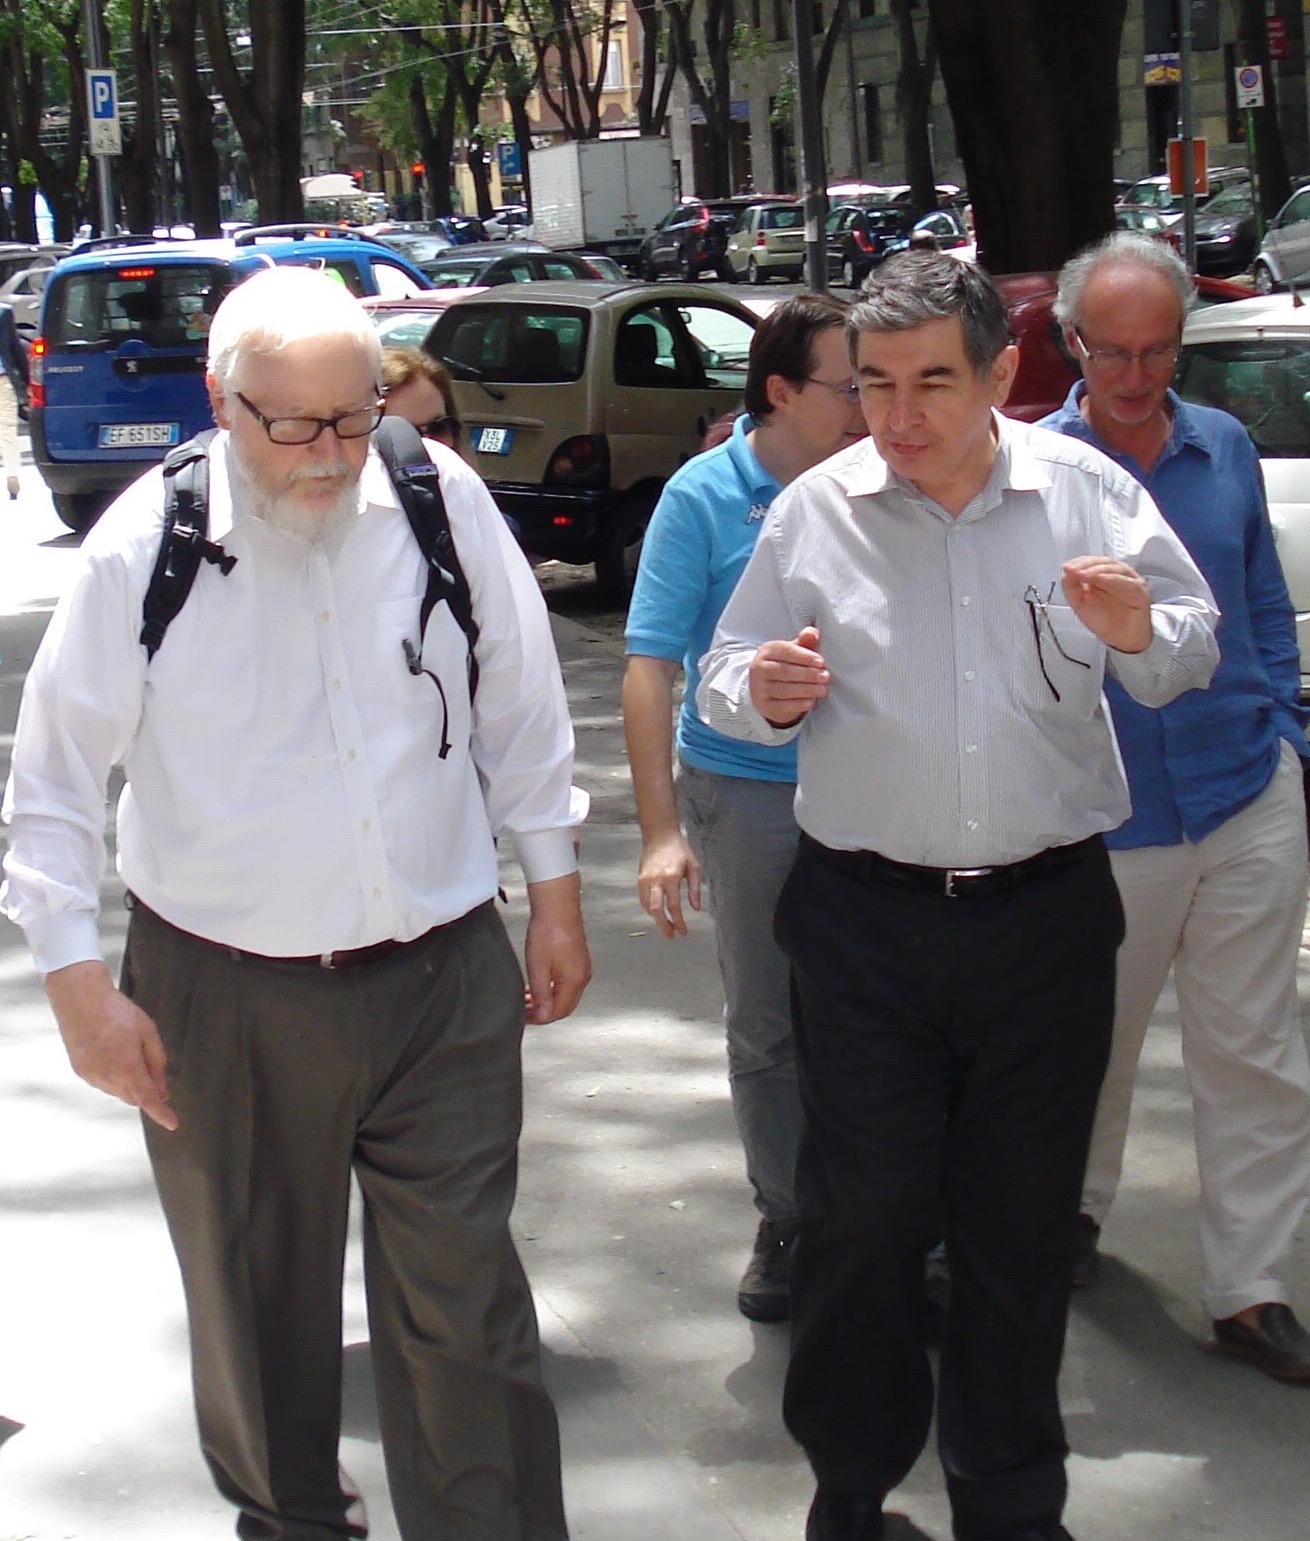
[[859, 238], [693, 238], [490, 263], [1225, 233]]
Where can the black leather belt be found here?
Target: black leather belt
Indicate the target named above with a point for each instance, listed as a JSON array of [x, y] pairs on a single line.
[[348, 957], [950, 882]]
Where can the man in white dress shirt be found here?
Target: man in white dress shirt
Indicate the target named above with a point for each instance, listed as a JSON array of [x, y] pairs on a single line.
[[932, 612], [315, 979]]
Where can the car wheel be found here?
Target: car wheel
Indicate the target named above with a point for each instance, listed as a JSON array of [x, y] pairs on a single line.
[[848, 277], [753, 273], [686, 269], [727, 272], [79, 510], [1264, 279], [646, 270], [620, 550]]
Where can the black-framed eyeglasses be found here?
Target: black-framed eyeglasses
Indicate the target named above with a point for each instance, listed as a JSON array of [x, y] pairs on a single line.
[[447, 425], [1039, 616], [304, 430], [849, 393]]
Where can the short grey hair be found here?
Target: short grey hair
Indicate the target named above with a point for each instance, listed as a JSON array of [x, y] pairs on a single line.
[[914, 287], [279, 306], [1125, 248]]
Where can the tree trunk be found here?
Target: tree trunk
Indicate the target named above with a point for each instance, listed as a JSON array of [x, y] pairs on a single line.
[[137, 166], [195, 115], [712, 99], [1033, 90], [1270, 152], [914, 79]]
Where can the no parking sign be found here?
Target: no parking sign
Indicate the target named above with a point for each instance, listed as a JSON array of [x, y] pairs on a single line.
[[1250, 85]]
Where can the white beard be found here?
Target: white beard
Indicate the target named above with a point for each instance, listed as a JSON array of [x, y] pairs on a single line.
[[284, 511]]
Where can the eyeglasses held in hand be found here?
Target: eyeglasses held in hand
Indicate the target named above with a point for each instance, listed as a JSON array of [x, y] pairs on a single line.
[[1039, 616]]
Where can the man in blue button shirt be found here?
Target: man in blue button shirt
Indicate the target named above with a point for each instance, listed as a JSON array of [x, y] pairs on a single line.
[[734, 799], [1212, 864]]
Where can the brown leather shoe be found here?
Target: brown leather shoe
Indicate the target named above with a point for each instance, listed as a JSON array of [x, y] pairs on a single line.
[[1279, 1346]]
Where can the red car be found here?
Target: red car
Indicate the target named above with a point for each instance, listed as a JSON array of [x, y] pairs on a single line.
[[1045, 369]]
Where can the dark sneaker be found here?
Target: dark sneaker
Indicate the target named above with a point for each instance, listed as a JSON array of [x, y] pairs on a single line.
[[1280, 1346], [764, 1293], [1086, 1259], [844, 1517]]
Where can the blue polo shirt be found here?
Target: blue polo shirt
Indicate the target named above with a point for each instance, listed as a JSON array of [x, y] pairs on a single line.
[[699, 540], [1195, 763]]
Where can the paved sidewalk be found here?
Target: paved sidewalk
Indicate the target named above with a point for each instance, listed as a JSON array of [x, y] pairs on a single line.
[[634, 1224]]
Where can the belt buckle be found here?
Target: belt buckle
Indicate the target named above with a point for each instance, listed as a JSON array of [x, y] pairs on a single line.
[[963, 872]]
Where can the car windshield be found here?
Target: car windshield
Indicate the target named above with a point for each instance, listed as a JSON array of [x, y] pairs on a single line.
[[512, 343], [453, 275], [417, 248], [1234, 200], [166, 306], [404, 328], [1264, 383], [783, 219]]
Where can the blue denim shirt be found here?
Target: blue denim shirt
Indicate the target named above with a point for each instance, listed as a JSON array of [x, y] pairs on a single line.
[[1195, 763]]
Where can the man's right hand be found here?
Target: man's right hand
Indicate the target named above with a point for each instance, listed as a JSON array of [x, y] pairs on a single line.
[[112, 1044], [666, 864], [788, 679]]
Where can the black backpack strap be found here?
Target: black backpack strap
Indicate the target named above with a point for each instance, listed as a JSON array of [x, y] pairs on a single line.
[[185, 542], [418, 486]]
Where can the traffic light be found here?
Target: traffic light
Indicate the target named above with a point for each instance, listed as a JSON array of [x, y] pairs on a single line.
[[416, 171]]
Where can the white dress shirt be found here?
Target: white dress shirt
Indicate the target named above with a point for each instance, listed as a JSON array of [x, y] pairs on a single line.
[[941, 742], [284, 790]]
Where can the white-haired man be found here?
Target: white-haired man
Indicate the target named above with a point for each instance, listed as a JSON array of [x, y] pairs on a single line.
[[315, 978], [1212, 864]]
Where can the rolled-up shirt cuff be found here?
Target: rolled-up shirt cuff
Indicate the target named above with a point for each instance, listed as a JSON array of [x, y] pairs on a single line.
[[545, 853], [57, 941]]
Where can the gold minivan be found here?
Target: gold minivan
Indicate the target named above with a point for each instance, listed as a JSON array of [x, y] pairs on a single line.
[[581, 399]]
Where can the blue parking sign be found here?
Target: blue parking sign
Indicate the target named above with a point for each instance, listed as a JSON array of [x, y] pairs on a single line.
[[102, 103], [510, 157]]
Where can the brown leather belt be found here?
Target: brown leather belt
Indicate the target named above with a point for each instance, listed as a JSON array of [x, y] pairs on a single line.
[[950, 882], [347, 957]]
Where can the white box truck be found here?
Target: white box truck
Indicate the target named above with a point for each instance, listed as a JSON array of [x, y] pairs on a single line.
[[604, 195]]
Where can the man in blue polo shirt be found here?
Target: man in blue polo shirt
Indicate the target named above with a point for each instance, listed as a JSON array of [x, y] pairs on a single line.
[[734, 799], [1212, 864]]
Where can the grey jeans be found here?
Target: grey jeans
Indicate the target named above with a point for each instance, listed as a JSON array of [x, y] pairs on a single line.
[[744, 835], [285, 1077]]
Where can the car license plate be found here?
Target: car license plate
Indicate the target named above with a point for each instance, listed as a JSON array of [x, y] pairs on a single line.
[[492, 441], [133, 435]]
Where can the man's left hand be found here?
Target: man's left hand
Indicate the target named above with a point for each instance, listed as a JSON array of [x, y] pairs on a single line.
[[555, 953], [1111, 599]]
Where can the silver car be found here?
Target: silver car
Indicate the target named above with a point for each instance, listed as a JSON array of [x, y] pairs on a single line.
[[1252, 358], [1284, 255]]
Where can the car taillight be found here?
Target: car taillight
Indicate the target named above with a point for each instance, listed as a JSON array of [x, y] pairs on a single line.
[[36, 373], [862, 240], [583, 461], [761, 239], [703, 220]]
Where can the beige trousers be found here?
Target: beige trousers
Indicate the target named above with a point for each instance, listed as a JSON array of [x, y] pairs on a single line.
[[1227, 913], [10, 459]]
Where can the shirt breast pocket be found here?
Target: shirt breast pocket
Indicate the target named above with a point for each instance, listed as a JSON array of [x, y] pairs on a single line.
[[1067, 663]]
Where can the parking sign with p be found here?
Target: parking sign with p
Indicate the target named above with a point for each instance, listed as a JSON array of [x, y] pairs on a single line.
[[102, 102]]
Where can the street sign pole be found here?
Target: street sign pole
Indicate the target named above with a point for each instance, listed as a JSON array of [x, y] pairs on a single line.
[[1250, 83], [96, 54], [1185, 104]]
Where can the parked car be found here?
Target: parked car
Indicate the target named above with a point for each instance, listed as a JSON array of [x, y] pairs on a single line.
[[118, 368], [513, 222], [1284, 256], [693, 239], [1146, 222], [769, 240], [22, 292], [1046, 370], [459, 229], [947, 229], [1225, 233], [1252, 359], [490, 263], [859, 238], [16, 256], [1154, 193], [408, 323], [581, 400]]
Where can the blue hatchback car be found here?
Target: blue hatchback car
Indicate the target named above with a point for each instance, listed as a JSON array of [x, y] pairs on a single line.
[[118, 365]]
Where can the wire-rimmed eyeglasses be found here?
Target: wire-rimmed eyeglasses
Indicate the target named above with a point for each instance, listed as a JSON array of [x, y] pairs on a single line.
[[1117, 361], [357, 424], [1039, 616], [849, 393]]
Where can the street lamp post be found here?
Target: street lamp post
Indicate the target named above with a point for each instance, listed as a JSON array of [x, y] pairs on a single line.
[[96, 56]]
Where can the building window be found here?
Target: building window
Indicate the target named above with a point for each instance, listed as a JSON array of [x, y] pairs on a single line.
[[613, 80], [784, 152], [781, 20], [755, 15], [872, 124], [868, 9], [816, 17]]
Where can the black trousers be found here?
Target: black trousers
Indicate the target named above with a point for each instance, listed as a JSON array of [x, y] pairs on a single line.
[[950, 1052]]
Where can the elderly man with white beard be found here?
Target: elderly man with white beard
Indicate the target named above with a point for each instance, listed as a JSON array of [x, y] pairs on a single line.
[[315, 980]]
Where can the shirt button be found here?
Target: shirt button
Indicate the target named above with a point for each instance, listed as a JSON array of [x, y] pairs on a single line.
[[972, 824], [966, 601], [971, 749], [377, 893], [350, 755], [969, 675], [366, 825], [336, 684], [325, 615]]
